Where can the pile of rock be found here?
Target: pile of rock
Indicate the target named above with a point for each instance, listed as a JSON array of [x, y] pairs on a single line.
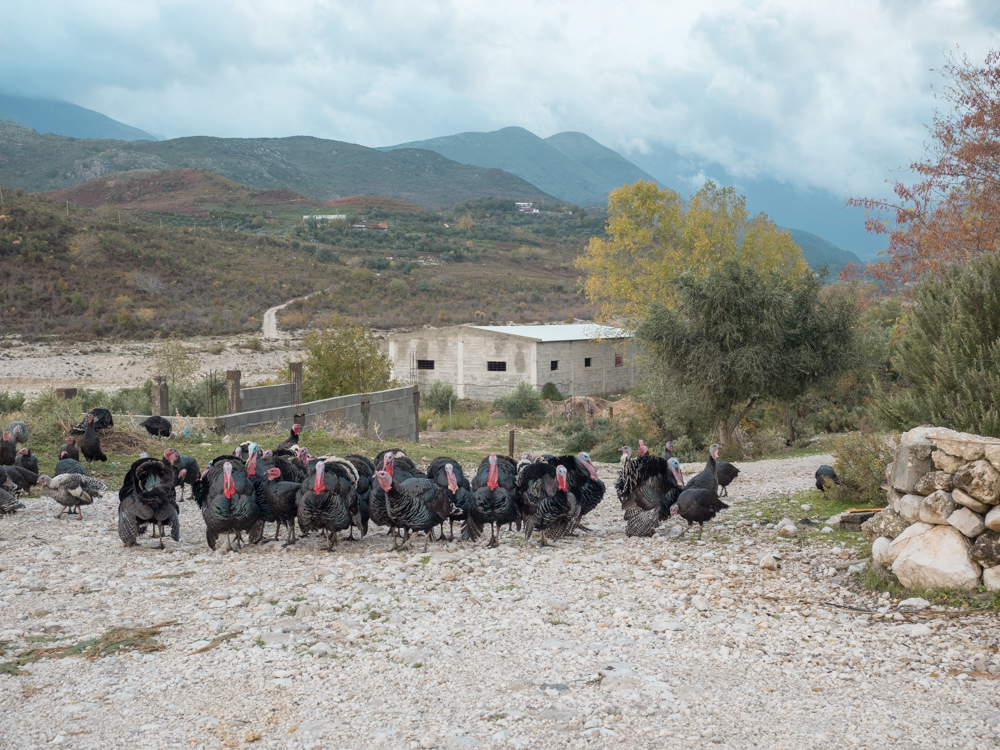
[[942, 526]]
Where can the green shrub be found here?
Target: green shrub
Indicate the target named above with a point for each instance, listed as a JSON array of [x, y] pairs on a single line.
[[11, 401], [861, 461], [550, 392], [438, 397], [521, 403], [948, 353]]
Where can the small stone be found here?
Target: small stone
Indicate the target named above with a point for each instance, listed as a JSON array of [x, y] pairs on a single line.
[[945, 462], [920, 631], [934, 481], [980, 480], [937, 507], [767, 562], [915, 602], [986, 550], [969, 523], [880, 552], [908, 506], [963, 498], [320, 649], [826, 530], [788, 532], [857, 568], [991, 579], [806, 507], [992, 519], [699, 602]]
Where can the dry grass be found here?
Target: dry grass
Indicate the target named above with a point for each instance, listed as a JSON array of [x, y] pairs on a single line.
[[113, 641]]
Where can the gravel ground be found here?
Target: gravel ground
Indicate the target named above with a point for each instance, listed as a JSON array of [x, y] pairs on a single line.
[[600, 642]]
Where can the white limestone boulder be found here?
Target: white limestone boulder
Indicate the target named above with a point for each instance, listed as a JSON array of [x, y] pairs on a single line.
[[937, 558], [937, 507]]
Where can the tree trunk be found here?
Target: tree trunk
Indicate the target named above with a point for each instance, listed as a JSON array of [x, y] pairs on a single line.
[[726, 429], [790, 424]]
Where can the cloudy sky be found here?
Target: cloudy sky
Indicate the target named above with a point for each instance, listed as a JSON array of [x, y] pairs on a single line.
[[812, 93]]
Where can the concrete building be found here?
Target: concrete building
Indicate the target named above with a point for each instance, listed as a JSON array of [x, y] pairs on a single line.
[[483, 362]]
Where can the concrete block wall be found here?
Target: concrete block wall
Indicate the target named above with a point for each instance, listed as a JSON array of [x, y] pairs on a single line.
[[391, 411], [574, 378], [266, 396]]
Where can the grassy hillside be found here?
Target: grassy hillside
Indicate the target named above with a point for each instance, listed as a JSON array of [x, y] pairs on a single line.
[[116, 270], [63, 118], [319, 169], [572, 166], [817, 252]]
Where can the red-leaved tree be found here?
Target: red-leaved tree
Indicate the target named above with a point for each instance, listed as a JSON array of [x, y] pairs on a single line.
[[952, 212]]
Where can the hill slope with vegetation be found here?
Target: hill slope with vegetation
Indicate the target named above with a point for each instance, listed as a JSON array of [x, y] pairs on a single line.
[[317, 168], [193, 253], [63, 118]]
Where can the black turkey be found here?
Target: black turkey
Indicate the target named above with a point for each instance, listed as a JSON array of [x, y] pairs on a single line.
[[26, 460], [18, 432], [292, 441], [157, 426], [396, 469], [72, 491], [416, 504], [147, 497], [726, 473], [8, 449], [68, 466], [8, 503], [185, 468], [546, 502], [494, 497], [826, 477], [281, 497], [584, 483], [69, 450], [230, 502], [366, 479], [707, 478], [647, 486], [327, 500], [447, 474], [102, 421], [90, 443], [21, 478], [698, 505]]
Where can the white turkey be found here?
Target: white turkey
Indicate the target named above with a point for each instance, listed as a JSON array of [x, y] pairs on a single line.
[[72, 491]]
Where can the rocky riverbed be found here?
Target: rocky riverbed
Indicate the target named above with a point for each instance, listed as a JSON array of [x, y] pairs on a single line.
[[599, 642]]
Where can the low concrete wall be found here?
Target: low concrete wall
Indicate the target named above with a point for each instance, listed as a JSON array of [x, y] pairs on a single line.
[[385, 414]]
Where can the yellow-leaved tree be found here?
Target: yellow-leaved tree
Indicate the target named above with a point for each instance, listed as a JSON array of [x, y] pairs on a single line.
[[653, 237]]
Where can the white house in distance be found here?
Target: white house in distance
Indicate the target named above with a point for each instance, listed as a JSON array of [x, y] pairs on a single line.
[[483, 362]]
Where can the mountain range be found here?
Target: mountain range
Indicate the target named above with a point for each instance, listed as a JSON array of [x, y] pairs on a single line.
[[572, 166], [511, 163], [63, 118]]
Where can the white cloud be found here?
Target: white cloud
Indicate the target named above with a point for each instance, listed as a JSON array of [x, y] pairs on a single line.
[[819, 94]]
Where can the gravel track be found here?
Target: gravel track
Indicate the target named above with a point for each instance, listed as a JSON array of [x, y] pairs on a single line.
[[600, 642]]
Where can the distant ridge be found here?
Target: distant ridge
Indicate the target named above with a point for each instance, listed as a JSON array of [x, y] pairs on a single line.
[[817, 252], [571, 166], [317, 168], [63, 118]]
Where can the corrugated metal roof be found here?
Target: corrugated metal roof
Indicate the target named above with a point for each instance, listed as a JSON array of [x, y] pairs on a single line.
[[560, 332]]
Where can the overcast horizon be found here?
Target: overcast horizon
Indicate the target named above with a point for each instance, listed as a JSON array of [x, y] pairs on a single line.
[[820, 96]]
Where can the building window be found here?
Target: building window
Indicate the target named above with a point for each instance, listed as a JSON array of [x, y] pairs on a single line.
[[554, 364], [586, 361], [425, 364], [496, 367], [619, 361]]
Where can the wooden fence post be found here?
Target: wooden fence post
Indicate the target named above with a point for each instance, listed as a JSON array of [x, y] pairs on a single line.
[[295, 376], [510, 447], [416, 414], [234, 404], [159, 397]]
